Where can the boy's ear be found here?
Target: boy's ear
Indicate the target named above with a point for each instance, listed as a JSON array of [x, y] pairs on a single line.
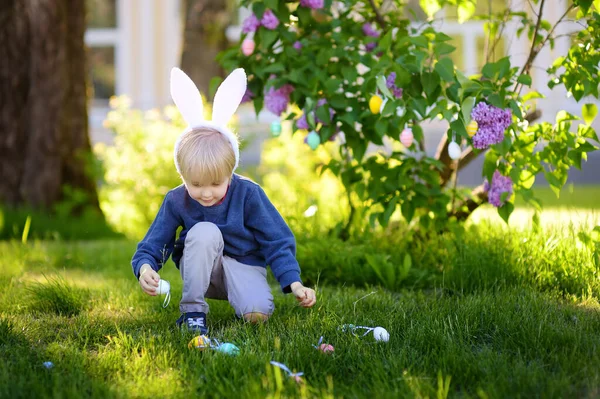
[[187, 98], [229, 96]]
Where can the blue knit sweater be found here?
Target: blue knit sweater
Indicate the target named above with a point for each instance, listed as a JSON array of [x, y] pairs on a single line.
[[253, 231]]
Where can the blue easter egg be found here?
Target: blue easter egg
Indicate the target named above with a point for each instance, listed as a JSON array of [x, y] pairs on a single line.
[[228, 348], [275, 128], [313, 140]]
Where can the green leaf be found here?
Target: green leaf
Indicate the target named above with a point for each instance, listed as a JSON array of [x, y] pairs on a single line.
[[505, 210], [258, 104], [430, 7], [466, 10], [503, 67], [490, 70], [323, 114], [526, 178], [490, 164], [589, 112], [258, 9], [382, 86], [381, 127], [408, 210], [585, 5], [524, 80], [389, 210], [466, 108], [443, 49], [430, 82], [274, 68], [386, 41], [445, 68], [267, 38], [349, 73], [272, 4], [515, 109]]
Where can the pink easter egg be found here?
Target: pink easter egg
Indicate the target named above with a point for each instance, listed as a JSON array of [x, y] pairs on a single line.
[[326, 348], [248, 47], [407, 137]]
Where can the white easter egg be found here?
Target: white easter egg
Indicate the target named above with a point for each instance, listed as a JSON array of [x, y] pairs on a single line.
[[163, 287], [454, 150], [381, 334]]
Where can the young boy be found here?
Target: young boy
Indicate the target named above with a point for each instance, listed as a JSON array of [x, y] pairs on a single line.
[[230, 229]]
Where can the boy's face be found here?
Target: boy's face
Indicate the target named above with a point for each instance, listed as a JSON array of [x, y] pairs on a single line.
[[206, 193]]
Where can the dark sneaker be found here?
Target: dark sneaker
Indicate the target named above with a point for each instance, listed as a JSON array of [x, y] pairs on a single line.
[[194, 322]]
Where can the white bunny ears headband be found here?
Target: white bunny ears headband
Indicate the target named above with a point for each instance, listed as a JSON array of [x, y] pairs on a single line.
[[187, 98]]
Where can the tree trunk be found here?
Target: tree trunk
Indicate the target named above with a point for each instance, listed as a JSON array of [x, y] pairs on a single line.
[[203, 38], [43, 121]]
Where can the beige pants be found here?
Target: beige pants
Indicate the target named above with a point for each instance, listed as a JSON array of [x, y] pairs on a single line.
[[207, 273]]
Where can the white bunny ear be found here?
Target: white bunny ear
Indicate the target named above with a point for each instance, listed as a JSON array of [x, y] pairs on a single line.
[[187, 98], [229, 96]]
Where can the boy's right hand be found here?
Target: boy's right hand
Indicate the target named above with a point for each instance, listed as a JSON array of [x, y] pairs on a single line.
[[148, 279]]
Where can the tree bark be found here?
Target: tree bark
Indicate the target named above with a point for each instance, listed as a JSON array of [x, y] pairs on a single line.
[[203, 38], [43, 122], [14, 92]]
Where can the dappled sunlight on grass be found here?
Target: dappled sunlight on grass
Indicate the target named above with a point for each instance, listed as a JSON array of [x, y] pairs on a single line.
[[556, 219]]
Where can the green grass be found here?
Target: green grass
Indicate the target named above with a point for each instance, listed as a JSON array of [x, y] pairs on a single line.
[[571, 196], [491, 312]]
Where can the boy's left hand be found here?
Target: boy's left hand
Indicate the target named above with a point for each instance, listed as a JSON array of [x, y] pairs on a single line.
[[306, 296]]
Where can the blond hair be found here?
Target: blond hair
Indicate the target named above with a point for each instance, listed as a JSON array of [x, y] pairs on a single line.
[[205, 153]]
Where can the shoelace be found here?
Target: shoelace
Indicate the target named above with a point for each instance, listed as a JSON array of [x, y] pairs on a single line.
[[196, 322]]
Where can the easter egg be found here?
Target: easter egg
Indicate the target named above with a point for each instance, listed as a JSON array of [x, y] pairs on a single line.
[[248, 47], [454, 150], [275, 128], [163, 287], [313, 140], [381, 334], [200, 342], [229, 349], [326, 348], [407, 137], [472, 128], [375, 104]]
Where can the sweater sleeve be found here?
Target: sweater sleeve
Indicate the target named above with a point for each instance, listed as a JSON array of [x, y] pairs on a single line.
[[275, 238], [157, 245]]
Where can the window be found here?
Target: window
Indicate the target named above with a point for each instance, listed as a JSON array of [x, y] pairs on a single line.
[[101, 61], [101, 38]]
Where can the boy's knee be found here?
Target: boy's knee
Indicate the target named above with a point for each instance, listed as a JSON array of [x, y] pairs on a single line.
[[256, 317], [203, 232]]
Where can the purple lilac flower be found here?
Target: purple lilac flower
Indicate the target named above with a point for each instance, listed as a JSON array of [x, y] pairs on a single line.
[[500, 185], [369, 31], [302, 123], [276, 100], [269, 20], [370, 46], [390, 82], [298, 45], [248, 96], [250, 24], [492, 122], [315, 4]]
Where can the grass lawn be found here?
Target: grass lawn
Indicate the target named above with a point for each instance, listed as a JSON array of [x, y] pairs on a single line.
[[77, 305]]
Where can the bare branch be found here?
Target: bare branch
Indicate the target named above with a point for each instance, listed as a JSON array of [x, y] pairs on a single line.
[[378, 15], [533, 52], [466, 208]]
